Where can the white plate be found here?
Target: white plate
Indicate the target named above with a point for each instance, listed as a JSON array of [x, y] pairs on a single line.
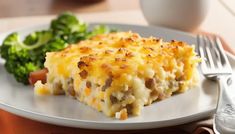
[[181, 108]]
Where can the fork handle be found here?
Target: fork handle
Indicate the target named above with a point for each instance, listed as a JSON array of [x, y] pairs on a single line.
[[224, 119]]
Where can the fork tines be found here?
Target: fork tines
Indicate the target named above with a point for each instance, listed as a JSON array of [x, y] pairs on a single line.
[[214, 59]]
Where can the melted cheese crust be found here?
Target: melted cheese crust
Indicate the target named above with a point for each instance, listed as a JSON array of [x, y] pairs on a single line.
[[119, 73]]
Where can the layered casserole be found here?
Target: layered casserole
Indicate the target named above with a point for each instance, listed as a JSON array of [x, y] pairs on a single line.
[[119, 73]]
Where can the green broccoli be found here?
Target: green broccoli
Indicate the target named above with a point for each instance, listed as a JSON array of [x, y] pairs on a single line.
[[23, 57], [69, 28], [21, 71], [18, 56], [67, 23], [29, 55], [38, 38], [99, 29]]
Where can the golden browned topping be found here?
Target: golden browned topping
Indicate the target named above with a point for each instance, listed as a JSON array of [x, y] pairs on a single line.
[[149, 83], [123, 66], [129, 54], [85, 49], [88, 84], [121, 53], [81, 64], [83, 74], [121, 50], [108, 51]]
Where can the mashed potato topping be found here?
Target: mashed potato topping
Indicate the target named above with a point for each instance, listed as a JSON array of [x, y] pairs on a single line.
[[119, 73]]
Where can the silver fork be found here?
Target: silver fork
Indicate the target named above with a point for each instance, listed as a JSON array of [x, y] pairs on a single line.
[[215, 66]]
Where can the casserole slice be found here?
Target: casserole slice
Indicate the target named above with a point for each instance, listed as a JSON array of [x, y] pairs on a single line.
[[119, 73]]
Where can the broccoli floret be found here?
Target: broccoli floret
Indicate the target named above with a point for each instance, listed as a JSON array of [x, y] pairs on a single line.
[[31, 39], [37, 39], [19, 56], [10, 44], [55, 44], [67, 23], [21, 71], [67, 27], [99, 29], [75, 37]]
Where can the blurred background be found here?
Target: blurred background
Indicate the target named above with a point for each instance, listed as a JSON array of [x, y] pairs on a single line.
[[16, 8], [220, 18]]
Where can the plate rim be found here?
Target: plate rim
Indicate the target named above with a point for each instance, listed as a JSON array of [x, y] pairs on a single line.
[[101, 125], [96, 23]]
